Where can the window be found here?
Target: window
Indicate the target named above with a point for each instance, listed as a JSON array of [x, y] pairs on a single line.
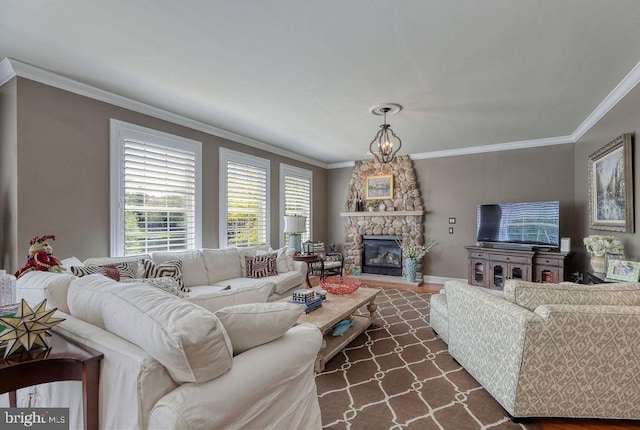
[[295, 198], [244, 199], [155, 191]]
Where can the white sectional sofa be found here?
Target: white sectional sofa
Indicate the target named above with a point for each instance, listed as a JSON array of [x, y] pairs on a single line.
[[207, 271], [170, 364]]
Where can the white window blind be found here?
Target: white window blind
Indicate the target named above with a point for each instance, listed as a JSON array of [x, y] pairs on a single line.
[[296, 192], [157, 192], [246, 199]]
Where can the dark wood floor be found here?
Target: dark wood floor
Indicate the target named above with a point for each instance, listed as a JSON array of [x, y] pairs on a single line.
[[546, 424]]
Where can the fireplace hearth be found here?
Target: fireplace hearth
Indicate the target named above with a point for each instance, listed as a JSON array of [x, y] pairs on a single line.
[[382, 255]]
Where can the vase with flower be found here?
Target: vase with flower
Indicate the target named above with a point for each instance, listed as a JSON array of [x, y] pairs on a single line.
[[411, 254], [598, 246]]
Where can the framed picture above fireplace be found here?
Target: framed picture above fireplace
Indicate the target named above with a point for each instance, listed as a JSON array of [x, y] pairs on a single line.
[[379, 187]]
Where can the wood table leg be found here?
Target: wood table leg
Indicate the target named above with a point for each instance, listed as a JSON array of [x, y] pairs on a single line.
[[372, 308], [12, 399], [319, 365], [90, 389]]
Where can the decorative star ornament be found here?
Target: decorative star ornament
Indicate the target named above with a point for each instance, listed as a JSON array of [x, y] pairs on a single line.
[[28, 327]]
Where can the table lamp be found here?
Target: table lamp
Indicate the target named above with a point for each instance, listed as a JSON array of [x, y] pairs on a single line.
[[294, 225]]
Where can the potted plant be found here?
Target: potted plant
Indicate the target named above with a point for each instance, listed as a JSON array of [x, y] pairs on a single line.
[[411, 254], [371, 205], [598, 246]]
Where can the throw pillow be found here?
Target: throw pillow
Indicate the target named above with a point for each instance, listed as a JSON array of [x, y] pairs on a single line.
[[261, 265], [281, 259], [69, 262], [164, 283], [171, 269], [254, 324], [115, 271]]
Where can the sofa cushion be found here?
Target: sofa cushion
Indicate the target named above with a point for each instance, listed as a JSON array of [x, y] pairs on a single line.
[[32, 285], [286, 281], [171, 269], [84, 297], [213, 301], [254, 324], [68, 262], [116, 271], [186, 339], [194, 271], [164, 283], [289, 254], [221, 264], [530, 295], [261, 265]]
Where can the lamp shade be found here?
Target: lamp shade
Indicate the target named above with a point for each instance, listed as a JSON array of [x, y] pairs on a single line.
[[295, 224]]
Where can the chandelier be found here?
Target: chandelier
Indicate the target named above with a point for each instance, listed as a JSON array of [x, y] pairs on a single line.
[[386, 144]]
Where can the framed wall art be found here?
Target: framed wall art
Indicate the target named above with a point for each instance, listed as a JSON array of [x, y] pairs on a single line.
[[379, 187], [611, 186]]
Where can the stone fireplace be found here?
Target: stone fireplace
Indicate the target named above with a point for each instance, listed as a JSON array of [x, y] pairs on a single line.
[[402, 215], [382, 255]]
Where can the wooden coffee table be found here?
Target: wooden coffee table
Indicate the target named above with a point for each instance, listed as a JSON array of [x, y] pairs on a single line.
[[335, 309]]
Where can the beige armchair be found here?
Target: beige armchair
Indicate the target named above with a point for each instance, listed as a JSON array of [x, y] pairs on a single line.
[[331, 263]]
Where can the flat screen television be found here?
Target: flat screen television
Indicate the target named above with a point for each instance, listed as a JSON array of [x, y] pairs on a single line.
[[530, 224]]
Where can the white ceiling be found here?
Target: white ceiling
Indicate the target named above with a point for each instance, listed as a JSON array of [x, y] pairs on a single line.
[[301, 75]]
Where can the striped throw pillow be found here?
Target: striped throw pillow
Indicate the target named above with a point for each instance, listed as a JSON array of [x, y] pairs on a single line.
[[115, 271], [172, 269], [262, 265]]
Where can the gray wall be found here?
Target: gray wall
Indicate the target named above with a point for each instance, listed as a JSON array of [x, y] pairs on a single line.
[[63, 172], [623, 118], [454, 186], [55, 157]]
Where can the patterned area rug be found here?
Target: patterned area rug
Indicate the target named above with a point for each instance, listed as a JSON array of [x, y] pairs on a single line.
[[399, 375]]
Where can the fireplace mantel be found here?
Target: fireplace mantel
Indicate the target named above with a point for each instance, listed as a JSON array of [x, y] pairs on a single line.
[[382, 213]]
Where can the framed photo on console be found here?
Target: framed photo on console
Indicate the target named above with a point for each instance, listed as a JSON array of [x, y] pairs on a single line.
[[379, 187], [610, 184], [622, 270]]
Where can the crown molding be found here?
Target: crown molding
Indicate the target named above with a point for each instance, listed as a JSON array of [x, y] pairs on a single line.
[[17, 68], [612, 99], [341, 164], [9, 68], [533, 143], [6, 71], [618, 93]]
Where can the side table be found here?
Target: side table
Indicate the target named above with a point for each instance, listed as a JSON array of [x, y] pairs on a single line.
[[63, 361], [590, 277], [309, 259]]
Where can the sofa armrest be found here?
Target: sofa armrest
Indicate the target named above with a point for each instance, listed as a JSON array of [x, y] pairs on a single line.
[[131, 381], [486, 336], [579, 360], [301, 267], [271, 386], [37, 286]]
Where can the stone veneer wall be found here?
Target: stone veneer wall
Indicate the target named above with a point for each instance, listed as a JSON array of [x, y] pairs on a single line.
[[406, 197]]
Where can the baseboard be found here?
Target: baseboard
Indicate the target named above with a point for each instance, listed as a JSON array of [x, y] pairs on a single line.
[[440, 279]]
